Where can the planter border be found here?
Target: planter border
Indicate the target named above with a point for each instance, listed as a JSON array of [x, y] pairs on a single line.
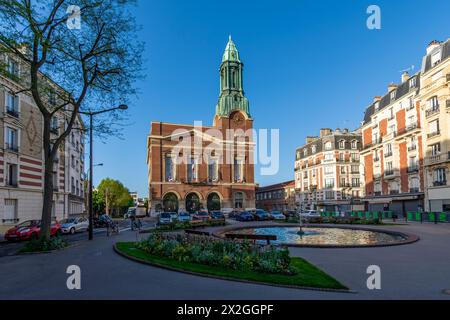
[[408, 237], [205, 275]]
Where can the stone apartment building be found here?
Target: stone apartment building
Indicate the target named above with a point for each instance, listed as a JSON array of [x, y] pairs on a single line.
[[21, 154], [327, 171], [435, 108], [280, 196], [201, 175], [392, 153]]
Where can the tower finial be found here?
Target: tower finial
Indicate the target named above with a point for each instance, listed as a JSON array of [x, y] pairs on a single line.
[[229, 37]]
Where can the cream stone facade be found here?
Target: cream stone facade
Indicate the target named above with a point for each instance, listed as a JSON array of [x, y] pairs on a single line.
[[21, 155], [435, 107]]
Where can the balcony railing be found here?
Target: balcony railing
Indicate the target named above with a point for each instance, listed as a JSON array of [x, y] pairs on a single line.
[[439, 183], [432, 111], [12, 112], [391, 173], [413, 169], [437, 158], [433, 134], [376, 159], [388, 154], [392, 192], [412, 147], [414, 190], [12, 147]]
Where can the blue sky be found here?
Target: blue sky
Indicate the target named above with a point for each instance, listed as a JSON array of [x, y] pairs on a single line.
[[308, 64]]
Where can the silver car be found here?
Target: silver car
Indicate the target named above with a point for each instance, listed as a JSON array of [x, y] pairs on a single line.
[[72, 225]]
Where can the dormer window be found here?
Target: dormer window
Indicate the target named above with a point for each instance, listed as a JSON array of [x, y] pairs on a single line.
[[435, 58], [354, 144], [412, 82], [377, 106], [342, 144], [313, 149], [393, 94], [328, 146]]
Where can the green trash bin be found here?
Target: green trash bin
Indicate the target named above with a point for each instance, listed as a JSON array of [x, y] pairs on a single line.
[[431, 216], [360, 214], [375, 215], [442, 217], [418, 214], [367, 215], [410, 216], [352, 214]]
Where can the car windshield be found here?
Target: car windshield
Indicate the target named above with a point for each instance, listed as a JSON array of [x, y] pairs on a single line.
[[184, 214], [69, 220], [30, 223], [165, 215]]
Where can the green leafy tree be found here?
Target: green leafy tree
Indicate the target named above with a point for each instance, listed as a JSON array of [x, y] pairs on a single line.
[[115, 195], [98, 202], [96, 62]]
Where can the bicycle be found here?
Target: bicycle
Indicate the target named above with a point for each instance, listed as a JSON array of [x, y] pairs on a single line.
[[112, 228]]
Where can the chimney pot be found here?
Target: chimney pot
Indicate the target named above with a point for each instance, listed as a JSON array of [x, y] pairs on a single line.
[[405, 76]]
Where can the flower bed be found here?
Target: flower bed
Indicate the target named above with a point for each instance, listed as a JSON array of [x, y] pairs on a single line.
[[188, 225], [235, 255]]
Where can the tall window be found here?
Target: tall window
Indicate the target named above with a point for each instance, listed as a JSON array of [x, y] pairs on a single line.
[[11, 174], [192, 170], [356, 183], [434, 127], [388, 150], [72, 180], [329, 183], [13, 67], [169, 168], [342, 144], [213, 170], [439, 176], [435, 149], [12, 104], [238, 170], [238, 200], [55, 180], [433, 103], [328, 146], [389, 168], [11, 140], [354, 144]]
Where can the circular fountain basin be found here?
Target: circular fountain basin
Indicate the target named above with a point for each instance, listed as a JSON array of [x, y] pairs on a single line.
[[320, 236]]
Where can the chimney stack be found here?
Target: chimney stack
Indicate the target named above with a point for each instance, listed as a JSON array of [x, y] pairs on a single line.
[[405, 76], [376, 99], [310, 139], [325, 132], [391, 87]]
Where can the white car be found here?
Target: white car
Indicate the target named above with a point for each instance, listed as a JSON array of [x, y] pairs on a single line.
[[277, 215], [72, 225], [310, 214]]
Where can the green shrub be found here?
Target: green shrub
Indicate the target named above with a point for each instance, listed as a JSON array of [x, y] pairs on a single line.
[[236, 255], [40, 245]]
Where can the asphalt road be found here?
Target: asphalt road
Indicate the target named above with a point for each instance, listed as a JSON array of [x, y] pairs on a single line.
[[414, 271]]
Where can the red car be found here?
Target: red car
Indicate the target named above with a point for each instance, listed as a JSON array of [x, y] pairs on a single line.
[[30, 230]]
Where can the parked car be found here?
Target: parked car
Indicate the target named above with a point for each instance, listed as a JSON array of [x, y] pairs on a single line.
[[72, 225], [261, 215], [244, 216], [184, 217], [310, 214], [277, 215], [30, 230], [233, 214], [290, 213], [201, 215], [165, 218], [103, 221], [217, 215]]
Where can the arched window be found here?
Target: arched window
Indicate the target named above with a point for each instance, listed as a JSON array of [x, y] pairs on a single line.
[[192, 203], [170, 202], [213, 203]]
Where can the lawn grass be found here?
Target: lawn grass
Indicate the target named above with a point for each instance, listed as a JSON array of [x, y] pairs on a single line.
[[307, 276]]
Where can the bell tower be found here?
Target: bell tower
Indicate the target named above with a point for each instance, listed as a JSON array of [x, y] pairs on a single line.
[[231, 84]]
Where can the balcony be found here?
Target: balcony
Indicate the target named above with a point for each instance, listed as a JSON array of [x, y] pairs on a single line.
[[432, 111], [393, 192], [11, 147], [439, 183], [413, 169], [388, 154], [12, 112], [434, 134], [412, 147], [389, 174], [414, 190], [434, 159]]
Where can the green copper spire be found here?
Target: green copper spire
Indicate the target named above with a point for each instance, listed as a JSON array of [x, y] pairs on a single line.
[[231, 84], [231, 53]]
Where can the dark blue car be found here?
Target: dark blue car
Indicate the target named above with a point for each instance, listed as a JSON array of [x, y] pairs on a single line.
[[244, 216], [261, 215], [217, 215]]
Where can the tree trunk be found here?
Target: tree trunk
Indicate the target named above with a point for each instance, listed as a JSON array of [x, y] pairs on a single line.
[[48, 182]]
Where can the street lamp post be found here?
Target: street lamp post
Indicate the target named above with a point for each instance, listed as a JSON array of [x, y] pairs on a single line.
[[91, 115]]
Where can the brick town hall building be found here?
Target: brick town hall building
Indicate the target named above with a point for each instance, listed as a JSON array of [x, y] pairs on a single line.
[[214, 170]]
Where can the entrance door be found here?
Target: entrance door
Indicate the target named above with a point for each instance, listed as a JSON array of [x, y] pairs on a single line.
[[10, 211]]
